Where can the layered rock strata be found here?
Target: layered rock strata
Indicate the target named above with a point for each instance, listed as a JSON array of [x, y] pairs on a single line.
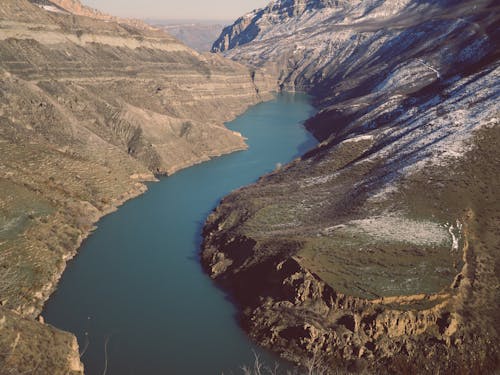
[[90, 109], [378, 249]]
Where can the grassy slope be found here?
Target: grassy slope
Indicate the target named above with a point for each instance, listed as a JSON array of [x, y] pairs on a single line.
[[380, 246], [89, 110]]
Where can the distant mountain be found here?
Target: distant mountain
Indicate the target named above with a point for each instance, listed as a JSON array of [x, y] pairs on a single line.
[[378, 250], [199, 36]]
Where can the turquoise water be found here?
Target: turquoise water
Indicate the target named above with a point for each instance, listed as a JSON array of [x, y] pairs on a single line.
[[137, 283]]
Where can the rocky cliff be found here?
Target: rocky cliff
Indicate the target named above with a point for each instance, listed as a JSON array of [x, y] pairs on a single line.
[[377, 250], [278, 16], [90, 108]]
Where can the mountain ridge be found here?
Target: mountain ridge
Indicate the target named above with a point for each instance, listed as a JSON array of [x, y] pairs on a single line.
[[378, 247], [77, 8], [91, 108]]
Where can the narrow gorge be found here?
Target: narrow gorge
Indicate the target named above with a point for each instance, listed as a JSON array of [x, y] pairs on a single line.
[[137, 281], [376, 251]]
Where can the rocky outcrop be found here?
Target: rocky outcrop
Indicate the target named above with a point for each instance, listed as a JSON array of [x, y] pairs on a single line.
[[89, 111], [30, 347], [377, 249]]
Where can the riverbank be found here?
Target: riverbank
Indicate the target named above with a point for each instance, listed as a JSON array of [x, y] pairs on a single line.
[[62, 232], [81, 134], [138, 278], [375, 251]]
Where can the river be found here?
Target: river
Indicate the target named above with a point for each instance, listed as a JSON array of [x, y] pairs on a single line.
[[136, 295]]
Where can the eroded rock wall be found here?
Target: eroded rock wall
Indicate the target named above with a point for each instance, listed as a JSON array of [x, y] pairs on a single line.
[[376, 250]]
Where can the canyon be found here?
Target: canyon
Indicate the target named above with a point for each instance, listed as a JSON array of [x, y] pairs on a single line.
[[378, 250], [91, 108]]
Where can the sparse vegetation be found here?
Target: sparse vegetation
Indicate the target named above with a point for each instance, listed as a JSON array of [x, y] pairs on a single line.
[[380, 243], [82, 125], [312, 366]]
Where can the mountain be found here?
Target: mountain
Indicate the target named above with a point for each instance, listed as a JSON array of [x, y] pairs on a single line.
[[284, 17], [196, 35], [378, 249], [91, 107], [77, 8]]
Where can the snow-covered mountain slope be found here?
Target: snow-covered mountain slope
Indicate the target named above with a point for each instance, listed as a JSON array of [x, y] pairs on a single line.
[[309, 42], [292, 17], [379, 248]]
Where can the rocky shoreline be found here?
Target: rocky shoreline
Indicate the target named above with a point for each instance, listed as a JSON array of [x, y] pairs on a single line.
[[293, 311], [376, 250]]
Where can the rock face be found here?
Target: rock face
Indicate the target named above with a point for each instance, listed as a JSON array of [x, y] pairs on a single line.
[[378, 249], [89, 110], [255, 25], [35, 348]]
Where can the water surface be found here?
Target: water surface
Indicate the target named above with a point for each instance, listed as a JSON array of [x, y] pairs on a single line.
[[137, 283]]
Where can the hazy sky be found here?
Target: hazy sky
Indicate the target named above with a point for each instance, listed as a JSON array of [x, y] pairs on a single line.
[[177, 9]]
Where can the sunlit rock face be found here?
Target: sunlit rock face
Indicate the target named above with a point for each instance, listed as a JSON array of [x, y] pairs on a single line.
[[377, 249]]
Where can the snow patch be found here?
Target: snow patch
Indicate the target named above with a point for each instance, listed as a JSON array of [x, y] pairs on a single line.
[[51, 8], [395, 229], [365, 137], [455, 232]]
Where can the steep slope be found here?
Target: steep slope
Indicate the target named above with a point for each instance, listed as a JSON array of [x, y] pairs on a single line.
[[379, 248], [280, 17], [89, 110], [77, 8]]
